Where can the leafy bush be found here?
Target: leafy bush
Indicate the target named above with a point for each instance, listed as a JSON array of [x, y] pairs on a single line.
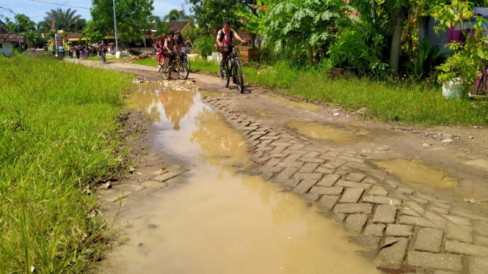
[[427, 58], [205, 45]]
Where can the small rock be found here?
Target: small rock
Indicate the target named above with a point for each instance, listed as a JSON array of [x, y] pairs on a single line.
[[471, 137], [336, 113], [447, 141], [426, 145], [131, 170], [107, 185]]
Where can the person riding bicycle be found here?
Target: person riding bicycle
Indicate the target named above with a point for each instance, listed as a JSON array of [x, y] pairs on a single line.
[[224, 41], [168, 47], [101, 48]]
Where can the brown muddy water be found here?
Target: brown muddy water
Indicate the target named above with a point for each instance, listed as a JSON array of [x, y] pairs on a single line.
[[219, 220], [333, 134]]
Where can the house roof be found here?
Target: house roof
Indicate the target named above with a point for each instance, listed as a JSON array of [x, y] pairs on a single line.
[[178, 25], [7, 36]]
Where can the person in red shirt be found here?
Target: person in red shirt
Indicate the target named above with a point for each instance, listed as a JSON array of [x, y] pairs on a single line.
[[224, 41]]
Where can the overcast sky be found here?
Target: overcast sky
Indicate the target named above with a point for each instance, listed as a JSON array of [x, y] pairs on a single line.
[[36, 9]]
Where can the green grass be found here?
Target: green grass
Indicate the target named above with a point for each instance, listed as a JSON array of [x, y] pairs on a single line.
[[404, 103], [146, 62], [95, 58], [57, 125]]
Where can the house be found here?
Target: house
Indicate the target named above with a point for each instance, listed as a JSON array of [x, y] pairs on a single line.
[[8, 41]]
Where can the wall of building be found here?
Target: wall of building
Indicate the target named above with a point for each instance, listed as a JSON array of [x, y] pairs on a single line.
[[6, 48]]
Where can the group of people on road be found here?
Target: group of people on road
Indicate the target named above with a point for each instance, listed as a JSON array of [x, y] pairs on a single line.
[[168, 46]]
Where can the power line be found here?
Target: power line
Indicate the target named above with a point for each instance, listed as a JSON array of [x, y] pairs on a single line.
[[58, 4]]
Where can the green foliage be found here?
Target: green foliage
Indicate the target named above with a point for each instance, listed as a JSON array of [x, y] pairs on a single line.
[[133, 19], [427, 58], [56, 137], [27, 29], [63, 20], [205, 45], [356, 47], [255, 19]]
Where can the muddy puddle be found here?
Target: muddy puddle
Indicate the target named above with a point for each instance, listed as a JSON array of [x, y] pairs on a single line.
[[337, 135], [417, 173], [219, 220]]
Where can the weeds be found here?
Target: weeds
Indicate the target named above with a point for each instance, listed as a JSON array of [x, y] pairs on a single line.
[[56, 136]]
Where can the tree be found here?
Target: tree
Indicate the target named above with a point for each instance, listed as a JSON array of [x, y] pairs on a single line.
[[134, 19], [65, 20], [27, 29], [175, 15], [210, 14]]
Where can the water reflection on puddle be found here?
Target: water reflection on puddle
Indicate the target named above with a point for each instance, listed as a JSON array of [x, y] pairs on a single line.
[[417, 173], [220, 221], [329, 133]]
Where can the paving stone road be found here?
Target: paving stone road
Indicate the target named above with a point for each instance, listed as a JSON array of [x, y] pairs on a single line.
[[403, 226]]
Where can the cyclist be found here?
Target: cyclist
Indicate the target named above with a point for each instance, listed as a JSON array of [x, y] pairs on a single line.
[[168, 47], [224, 41], [101, 48]]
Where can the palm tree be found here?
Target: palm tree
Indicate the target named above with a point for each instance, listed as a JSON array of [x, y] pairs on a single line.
[[65, 20], [175, 15]]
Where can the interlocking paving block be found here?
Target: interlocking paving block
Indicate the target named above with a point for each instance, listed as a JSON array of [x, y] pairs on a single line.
[[439, 210], [309, 167], [375, 229], [305, 185], [382, 200], [325, 170], [419, 221], [460, 233], [399, 230], [340, 217], [394, 253], [329, 180], [333, 164], [434, 217], [334, 190], [416, 207], [409, 211], [467, 214], [166, 176], [310, 197], [429, 239], [355, 177], [356, 222], [481, 240], [352, 195], [353, 184], [464, 248], [287, 173], [478, 265], [480, 228], [445, 261], [312, 154], [328, 201], [367, 241], [308, 176], [354, 208], [405, 190], [385, 214], [369, 180], [273, 162], [312, 160], [378, 191]]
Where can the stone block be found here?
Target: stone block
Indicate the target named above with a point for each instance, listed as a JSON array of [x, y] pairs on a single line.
[[354, 177], [460, 233], [304, 186], [478, 265], [415, 207], [394, 253], [419, 221], [309, 167], [352, 195], [352, 184], [333, 164], [445, 261], [467, 249], [409, 211], [356, 222], [457, 220], [480, 228], [382, 200], [327, 202], [481, 240], [329, 180], [308, 176], [354, 208], [399, 230], [368, 241], [312, 160], [385, 214], [378, 191], [429, 239], [374, 229], [287, 173], [322, 190]]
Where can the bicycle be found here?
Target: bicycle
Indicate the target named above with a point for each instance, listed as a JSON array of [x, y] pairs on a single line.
[[180, 65], [233, 70]]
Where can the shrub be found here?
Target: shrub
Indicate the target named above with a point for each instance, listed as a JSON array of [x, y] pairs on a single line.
[[205, 45]]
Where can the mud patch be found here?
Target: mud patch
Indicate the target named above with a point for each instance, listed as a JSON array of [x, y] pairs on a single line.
[[329, 133], [299, 105], [417, 173]]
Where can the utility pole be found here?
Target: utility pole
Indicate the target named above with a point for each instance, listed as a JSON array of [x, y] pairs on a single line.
[[115, 28]]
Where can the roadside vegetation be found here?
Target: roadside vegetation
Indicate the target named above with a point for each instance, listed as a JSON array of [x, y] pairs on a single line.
[[57, 136]]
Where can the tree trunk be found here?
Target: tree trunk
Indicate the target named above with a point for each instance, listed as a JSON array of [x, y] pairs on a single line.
[[400, 17], [310, 53]]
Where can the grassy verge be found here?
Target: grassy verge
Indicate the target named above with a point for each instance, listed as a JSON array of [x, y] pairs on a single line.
[[56, 136], [404, 103]]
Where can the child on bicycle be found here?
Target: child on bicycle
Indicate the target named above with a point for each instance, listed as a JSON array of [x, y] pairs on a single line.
[[224, 41], [168, 48]]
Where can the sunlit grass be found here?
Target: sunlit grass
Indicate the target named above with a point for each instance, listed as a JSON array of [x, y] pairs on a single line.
[[57, 125]]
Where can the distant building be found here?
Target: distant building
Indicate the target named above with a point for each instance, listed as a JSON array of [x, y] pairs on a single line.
[[8, 41]]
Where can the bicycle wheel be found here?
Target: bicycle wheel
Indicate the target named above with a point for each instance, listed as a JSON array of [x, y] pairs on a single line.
[[224, 75], [238, 75], [183, 70], [166, 70]]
